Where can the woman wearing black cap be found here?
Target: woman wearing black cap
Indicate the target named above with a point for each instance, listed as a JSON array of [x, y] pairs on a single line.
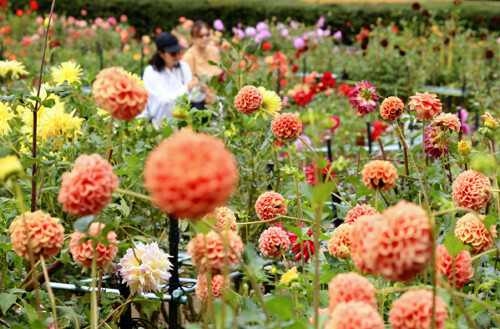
[[167, 78]]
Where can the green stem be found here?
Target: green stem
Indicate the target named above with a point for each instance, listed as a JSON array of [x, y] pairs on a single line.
[[476, 276], [94, 315], [49, 290], [108, 144], [134, 194], [482, 254]]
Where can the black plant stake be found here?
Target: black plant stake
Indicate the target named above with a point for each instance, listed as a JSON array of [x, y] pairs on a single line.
[[126, 317], [369, 133], [334, 198], [99, 53], [174, 283]]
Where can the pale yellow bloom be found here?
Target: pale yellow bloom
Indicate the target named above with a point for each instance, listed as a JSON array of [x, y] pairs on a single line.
[[290, 277], [6, 114], [67, 71], [14, 68], [137, 78], [489, 121], [464, 148], [271, 103], [9, 165]]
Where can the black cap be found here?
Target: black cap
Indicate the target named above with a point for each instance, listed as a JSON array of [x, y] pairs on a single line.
[[168, 42]]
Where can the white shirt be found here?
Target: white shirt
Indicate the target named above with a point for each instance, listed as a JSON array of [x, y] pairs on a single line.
[[164, 88]]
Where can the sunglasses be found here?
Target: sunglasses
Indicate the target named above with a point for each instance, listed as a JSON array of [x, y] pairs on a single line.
[[175, 53]]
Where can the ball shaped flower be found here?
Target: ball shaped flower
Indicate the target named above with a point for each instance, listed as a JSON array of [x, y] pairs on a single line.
[[87, 189], [340, 241], [218, 287], [248, 100], [391, 108], [413, 310], [359, 210], [471, 231], [463, 266], [350, 287], [272, 241], [189, 174], [84, 252], [448, 120], [434, 143], [363, 239], [379, 174], [269, 205], [354, 315], [225, 219], [211, 246], [286, 126], [427, 105], [121, 95], [146, 272], [46, 235], [471, 190]]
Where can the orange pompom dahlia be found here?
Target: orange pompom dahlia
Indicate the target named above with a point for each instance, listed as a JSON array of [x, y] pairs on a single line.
[[339, 243], [363, 240], [122, 96], [272, 241], [218, 287], [391, 108], [225, 219], [286, 126], [379, 174], [427, 105], [84, 252], [45, 232], [448, 120], [463, 266], [189, 174], [210, 248], [413, 310], [269, 205], [471, 231], [87, 189], [248, 100], [354, 315], [471, 190], [350, 287], [358, 211]]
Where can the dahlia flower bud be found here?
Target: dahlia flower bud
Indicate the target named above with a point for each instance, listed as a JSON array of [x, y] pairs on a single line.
[[272, 241], [286, 126], [350, 287], [189, 174], [379, 174], [46, 235], [427, 105], [218, 287], [471, 190], [269, 205], [84, 252], [391, 108], [339, 243], [413, 310], [248, 100], [290, 277], [463, 266], [359, 210], [471, 231], [145, 270], [354, 315]]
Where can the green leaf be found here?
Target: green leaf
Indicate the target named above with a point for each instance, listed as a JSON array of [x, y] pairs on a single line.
[[49, 102], [454, 245], [27, 161], [253, 260], [322, 192], [453, 147], [6, 301], [8, 99], [281, 306], [490, 220], [204, 228], [148, 305], [82, 224]]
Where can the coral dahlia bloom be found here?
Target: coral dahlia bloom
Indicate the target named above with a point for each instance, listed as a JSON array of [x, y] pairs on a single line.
[[391, 108], [146, 272], [218, 287], [87, 189], [269, 205], [211, 246], [354, 315], [189, 174], [427, 105], [313, 168], [470, 190], [379, 174], [339, 243], [364, 230], [225, 219], [84, 252], [46, 235], [286, 126], [300, 248], [358, 211], [448, 120], [471, 231], [122, 96], [272, 241], [413, 310], [463, 266], [248, 100], [435, 142], [364, 97], [350, 287]]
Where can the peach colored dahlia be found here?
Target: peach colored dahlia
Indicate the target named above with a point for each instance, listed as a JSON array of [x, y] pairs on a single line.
[[248, 100], [470, 190], [463, 266], [427, 105], [471, 231], [391, 108], [218, 287], [225, 219], [358, 211], [272, 241], [84, 252], [448, 120], [354, 315], [286, 126], [350, 287], [340, 241], [269, 205], [379, 174], [363, 240]]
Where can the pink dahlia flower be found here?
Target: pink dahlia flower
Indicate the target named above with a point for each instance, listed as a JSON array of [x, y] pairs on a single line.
[[427, 105], [354, 315], [435, 144], [350, 287], [471, 190], [272, 241], [358, 211], [463, 266], [269, 205], [364, 97]]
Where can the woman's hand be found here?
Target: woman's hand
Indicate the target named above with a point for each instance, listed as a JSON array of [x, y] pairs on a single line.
[[193, 83], [203, 88]]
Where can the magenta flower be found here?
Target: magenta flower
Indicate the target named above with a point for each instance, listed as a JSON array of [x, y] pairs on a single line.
[[434, 142], [298, 43], [218, 25], [364, 97], [250, 31]]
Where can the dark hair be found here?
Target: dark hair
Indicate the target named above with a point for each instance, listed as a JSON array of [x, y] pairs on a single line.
[[157, 62], [196, 28]]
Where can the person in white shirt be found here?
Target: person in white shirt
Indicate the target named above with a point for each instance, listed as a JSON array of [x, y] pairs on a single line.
[[167, 78]]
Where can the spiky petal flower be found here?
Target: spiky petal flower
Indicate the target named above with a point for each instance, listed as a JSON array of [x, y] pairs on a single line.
[[14, 68], [271, 101], [67, 71], [364, 97], [311, 173], [146, 272], [6, 114], [300, 248]]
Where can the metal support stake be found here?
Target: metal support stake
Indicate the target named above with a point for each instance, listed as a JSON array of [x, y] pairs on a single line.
[[126, 317], [99, 53], [173, 283], [369, 133]]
